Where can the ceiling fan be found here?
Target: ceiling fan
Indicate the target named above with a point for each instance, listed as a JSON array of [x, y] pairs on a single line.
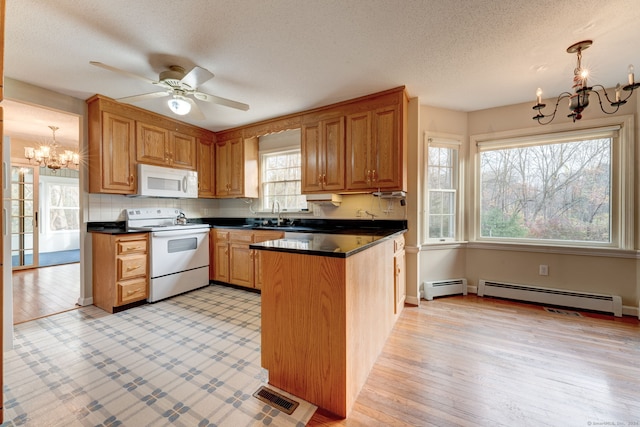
[[181, 86]]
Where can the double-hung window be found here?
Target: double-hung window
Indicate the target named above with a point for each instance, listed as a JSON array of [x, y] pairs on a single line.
[[563, 188], [442, 172], [281, 181]]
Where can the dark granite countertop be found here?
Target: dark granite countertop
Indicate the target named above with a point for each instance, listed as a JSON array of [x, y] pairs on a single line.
[[331, 245], [333, 238]]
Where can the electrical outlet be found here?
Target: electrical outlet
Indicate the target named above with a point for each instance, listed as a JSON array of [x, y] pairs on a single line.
[[544, 270]]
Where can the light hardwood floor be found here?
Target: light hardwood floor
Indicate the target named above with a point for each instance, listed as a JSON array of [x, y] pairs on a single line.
[[40, 292], [470, 361]]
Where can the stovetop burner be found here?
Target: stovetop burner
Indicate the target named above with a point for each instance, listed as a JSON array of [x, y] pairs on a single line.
[[158, 219]]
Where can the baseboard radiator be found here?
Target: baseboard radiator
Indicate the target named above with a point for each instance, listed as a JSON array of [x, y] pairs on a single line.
[[444, 287], [559, 297]]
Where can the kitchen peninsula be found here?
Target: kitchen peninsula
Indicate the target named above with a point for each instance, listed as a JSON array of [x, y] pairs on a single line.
[[329, 302]]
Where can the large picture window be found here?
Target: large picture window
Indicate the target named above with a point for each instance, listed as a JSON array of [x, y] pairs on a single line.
[[556, 189]]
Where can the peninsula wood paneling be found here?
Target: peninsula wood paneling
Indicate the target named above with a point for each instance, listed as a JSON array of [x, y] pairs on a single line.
[[325, 321]]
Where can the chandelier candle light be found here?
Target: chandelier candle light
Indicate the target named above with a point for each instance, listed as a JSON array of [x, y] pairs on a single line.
[[47, 155], [579, 99]]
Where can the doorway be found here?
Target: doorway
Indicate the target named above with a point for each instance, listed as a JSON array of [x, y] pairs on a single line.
[[43, 213]]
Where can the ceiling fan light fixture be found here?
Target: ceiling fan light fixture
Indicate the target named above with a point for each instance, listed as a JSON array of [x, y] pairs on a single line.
[[179, 105]]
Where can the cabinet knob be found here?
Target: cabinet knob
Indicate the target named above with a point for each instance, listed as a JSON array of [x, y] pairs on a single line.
[[368, 176], [374, 177], [135, 291], [131, 179], [135, 267]]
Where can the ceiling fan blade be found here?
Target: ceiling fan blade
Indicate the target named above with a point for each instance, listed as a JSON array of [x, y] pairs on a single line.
[[118, 70], [219, 100], [196, 77], [195, 112], [136, 98]]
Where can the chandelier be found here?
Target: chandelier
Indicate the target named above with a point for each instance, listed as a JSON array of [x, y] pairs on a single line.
[[579, 98], [47, 155]]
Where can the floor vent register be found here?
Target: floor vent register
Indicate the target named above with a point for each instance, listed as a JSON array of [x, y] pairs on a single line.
[[276, 400]]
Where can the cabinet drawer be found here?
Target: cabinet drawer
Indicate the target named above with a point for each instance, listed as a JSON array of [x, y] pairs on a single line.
[[398, 244], [221, 235], [132, 266], [131, 246], [241, 236], [132, 291]]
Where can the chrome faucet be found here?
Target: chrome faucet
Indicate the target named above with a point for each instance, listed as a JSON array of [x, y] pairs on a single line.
[[273, 210]]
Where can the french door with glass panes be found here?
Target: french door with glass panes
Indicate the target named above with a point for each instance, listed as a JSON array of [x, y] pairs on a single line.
[[24, 216]]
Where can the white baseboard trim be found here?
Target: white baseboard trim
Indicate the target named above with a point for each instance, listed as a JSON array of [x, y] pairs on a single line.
[[85, 301], [412, 300], [628, 310], [472, 289]]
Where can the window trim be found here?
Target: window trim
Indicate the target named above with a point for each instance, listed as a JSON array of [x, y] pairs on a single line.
[[622, 202], [46, 183], [261, 155], [452, 141]]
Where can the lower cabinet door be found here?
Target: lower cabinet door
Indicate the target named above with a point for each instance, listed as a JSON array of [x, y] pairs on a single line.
[[240, 265]]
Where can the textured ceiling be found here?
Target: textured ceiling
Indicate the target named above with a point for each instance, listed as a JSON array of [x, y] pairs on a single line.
[[283, 56]]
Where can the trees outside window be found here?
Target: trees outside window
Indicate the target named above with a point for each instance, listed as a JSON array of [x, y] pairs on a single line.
[[282, 181], [442, 189], [548, 190]]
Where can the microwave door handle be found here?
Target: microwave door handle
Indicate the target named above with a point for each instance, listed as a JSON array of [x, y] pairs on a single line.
[[184, 184]]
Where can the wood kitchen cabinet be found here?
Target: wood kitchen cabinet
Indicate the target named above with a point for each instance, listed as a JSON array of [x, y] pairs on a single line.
[[375, 149], [157, 145], [206, 174], [323, 153], [234, 262], [236, 166], [111, 148], [400, 275], [121, 136], [120, 269]]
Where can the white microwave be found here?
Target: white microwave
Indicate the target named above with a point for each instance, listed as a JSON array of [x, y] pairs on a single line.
[[159, 181]]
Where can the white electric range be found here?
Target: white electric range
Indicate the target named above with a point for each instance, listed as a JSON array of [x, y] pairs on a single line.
[[179, 251]]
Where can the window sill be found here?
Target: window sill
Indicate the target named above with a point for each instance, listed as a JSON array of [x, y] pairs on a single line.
[[553, 249]]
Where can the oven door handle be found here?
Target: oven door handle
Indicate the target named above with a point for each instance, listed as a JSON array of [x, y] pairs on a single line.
[[179, 233]]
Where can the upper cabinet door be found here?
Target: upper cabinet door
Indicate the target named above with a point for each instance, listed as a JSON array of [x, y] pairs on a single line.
[[386, 165], [359, 151], [158, 146], [323, 156], [117, 165], [152, 145], [205, 160], [333, 151], [312, 165], [182, 151], [235, 173]]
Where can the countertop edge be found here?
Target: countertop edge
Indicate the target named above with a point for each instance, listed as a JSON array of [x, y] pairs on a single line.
[[264, 246]]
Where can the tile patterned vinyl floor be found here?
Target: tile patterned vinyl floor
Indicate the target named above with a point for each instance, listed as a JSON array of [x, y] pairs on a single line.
[[191, 360]]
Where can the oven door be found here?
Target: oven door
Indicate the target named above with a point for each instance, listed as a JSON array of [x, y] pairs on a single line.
[[178, 250]]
